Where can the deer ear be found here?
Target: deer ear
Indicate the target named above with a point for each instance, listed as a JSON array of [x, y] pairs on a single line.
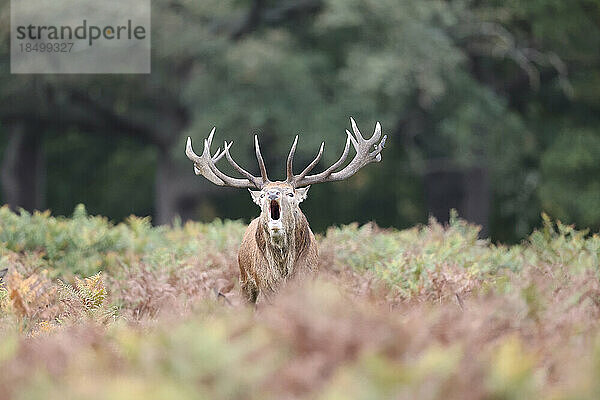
[[302, 193], [255, 196]]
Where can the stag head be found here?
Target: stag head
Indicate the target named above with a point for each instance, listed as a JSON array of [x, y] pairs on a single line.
[[279, 200], [279, 204]]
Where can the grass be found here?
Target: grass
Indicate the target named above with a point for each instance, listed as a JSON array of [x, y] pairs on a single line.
[[95, 310]]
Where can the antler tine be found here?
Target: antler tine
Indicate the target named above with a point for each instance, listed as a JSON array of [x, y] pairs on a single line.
[[290, 161], [373, 139], [378, 147], [208, 142], [201, 163], [363, 156], [377, 133], [218, 155], [211, 135], [235, 165], [325, 174], [352, 139], [355, 129], [300, 179], [229, 181], [261, 162], [205, 165], [189, 151], [313, 163]]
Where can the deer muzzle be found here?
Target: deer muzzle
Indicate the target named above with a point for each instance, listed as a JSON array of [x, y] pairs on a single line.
[[275, 221], [274, 210]]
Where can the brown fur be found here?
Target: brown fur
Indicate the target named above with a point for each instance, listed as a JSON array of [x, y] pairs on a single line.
[[279, 244], [265, 263]]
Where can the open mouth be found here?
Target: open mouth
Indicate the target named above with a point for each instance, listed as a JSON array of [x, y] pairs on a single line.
[[274, 210]]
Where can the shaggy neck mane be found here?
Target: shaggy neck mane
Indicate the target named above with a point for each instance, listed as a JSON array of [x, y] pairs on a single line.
[[295, 242]]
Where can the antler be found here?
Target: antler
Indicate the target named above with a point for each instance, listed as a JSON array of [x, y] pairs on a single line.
[[364, 155], [205, 165]]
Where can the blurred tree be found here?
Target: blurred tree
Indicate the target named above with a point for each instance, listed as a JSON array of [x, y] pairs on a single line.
[[556, 95], [479, 99]]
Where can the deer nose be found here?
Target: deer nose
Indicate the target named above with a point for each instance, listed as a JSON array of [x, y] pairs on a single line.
[[273, 194]]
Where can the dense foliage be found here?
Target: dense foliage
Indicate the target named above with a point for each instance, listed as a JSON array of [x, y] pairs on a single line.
[[428, 312]]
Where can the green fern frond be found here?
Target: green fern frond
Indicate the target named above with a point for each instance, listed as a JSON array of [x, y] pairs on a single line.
[[91, 291], [67, 291]]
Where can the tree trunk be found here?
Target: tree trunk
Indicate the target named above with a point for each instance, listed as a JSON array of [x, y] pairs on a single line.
[[165, 199], [468, 191], [178, 191], [23, 169], [477, 200]]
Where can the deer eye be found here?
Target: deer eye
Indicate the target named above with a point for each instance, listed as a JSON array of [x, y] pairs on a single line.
[[290, 194], [262, 195]]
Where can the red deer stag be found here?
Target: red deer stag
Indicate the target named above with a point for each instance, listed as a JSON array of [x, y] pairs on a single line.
[[279, 243]]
